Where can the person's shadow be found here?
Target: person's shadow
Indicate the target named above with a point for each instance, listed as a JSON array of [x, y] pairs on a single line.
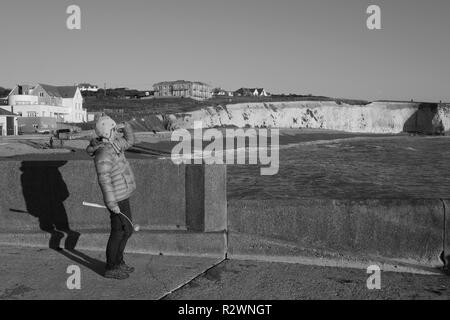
[[45, 191]]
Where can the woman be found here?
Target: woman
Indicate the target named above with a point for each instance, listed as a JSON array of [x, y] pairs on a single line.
[[117, 183]]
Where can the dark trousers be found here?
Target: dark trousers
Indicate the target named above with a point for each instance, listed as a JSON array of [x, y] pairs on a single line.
[[121, 231]]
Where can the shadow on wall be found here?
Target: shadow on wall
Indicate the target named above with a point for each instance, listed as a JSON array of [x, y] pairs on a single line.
[[45, 191], [425, 121]]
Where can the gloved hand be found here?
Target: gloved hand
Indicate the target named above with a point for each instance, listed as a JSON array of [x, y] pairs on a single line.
[[92, 147], [114, 208], [120, 127]]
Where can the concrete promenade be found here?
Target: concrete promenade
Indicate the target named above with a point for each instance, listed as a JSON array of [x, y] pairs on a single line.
[[39, 273]]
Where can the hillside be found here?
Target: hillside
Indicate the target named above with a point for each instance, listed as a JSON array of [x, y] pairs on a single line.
[[127, 109]]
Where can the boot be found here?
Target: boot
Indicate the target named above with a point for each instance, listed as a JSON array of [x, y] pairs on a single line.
[[116, 273], [125, 268]]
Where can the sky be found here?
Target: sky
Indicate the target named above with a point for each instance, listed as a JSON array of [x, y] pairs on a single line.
[[320, 47]]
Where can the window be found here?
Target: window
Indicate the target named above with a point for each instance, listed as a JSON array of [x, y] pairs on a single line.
[[41, 94]]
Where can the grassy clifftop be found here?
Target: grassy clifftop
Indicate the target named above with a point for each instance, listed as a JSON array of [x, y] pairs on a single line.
[[130, 108]]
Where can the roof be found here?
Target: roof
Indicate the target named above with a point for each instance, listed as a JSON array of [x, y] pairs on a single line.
[[61, 92], [51, 90], [179, 82], [87, 85], [67, 92]]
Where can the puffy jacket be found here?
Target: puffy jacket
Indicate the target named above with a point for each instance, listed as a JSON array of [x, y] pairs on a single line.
[[115, 176]]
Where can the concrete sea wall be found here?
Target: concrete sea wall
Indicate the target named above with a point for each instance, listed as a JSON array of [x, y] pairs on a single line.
[[401, 230], [38, 195], [183, 210]]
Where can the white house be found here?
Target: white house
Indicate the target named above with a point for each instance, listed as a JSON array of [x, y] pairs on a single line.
[[87, 87], [62, 102], [218, 92], [261, 92]]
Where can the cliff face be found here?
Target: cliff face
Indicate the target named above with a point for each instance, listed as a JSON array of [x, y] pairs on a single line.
[[376, 117]]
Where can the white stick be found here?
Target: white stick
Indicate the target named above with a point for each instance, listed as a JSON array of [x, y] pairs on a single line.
[[95, 205]]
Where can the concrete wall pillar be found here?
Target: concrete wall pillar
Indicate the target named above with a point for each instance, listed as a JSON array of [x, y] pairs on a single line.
[[206, 198]]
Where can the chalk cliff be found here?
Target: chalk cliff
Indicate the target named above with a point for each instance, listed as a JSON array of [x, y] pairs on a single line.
[[376, 117]]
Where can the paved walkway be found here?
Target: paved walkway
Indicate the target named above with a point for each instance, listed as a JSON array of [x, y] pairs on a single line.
[[33, 273]]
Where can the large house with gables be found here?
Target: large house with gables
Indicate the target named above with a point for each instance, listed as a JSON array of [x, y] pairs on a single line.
[[62, 102]]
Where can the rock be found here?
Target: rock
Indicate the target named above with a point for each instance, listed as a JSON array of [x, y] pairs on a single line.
[[375, 117]]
